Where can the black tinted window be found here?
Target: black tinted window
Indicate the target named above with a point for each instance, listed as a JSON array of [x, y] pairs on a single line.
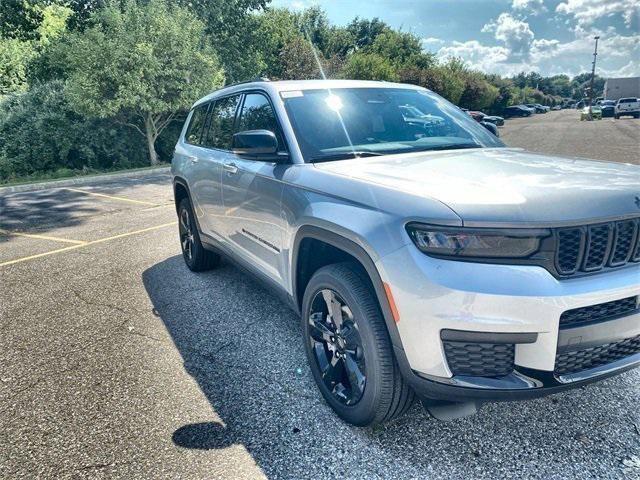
[[194, 132], [221, 123], [257, 114]]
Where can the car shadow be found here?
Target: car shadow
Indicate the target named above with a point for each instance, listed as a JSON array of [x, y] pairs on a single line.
[[243, 348]]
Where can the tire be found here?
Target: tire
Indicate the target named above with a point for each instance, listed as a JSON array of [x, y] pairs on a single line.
[[197, 258], [383, 394], [617, 117]]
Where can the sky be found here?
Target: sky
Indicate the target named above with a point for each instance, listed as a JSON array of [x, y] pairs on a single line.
[[509, 36]]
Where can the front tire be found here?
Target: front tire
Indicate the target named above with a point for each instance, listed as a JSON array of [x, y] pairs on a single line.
[[349, 349], [196, 257]]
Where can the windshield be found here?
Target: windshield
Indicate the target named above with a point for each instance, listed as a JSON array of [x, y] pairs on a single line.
[[347, 122]]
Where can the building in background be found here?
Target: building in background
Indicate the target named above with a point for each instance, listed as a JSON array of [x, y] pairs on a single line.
[[616, 88]]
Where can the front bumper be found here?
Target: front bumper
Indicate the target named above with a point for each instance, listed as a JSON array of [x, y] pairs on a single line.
[[434, 295]]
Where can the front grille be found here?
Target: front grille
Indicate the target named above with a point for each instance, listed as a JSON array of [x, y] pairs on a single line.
[[599, 313], [480, 359], [574, 362], [595, 247]]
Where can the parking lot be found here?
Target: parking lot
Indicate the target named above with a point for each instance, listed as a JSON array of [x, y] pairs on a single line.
[[562, 133], [117, 362]]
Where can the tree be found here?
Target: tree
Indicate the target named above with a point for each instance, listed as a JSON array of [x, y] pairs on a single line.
[[143, 63], [41, 133], [369, 66], [365, 31], [478, 93], [14, 57], [299, 62], [231, 30], [276, 28], [396, 46]]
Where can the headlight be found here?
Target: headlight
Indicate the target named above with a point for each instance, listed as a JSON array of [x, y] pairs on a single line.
[[476, 242]]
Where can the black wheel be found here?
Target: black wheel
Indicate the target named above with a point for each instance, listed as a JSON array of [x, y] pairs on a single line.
[[195, 255], [617, 117], [348, 347]]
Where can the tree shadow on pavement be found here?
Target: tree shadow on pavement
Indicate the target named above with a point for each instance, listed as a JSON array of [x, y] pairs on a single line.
[[43, 210]]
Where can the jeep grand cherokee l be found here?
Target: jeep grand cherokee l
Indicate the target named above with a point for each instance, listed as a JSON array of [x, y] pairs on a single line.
[[425, 258]]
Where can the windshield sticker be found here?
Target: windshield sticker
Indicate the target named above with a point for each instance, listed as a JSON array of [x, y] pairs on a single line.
[[291, 94]]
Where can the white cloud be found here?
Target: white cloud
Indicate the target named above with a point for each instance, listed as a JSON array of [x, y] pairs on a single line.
[[533, 7], [586, 12], [482, 57], [516, 35], [432, 43]]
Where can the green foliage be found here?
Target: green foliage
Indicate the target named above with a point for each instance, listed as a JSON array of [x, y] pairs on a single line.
[[397, 47], [298, 61], [230, 30], [369, 66], [14, 56], [40, 132], [146, 60], [365, 31], [478, 93], [88, 84]]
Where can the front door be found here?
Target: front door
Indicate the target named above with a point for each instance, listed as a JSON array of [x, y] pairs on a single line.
[[216, 144], [251, 191]]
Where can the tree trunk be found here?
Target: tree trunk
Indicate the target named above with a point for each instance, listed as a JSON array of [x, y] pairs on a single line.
[[151, 135]]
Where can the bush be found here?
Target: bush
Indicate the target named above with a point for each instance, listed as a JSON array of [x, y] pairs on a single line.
[[40, 133], [369, 66]]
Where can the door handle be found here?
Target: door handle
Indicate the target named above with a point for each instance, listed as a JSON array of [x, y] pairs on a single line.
[[193, 159], [230, 168]]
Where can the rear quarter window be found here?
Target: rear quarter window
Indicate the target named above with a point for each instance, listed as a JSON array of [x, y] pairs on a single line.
[[194, 131]]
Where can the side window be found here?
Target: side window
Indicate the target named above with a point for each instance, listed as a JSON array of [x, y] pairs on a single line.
[[194, 132], [220, 130], [257, 114]]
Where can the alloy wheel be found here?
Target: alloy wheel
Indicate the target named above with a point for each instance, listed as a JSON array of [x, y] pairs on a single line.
[[186, 234], [337, 347]]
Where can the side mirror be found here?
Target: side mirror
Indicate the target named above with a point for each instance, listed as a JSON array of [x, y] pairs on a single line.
[[255, 143]]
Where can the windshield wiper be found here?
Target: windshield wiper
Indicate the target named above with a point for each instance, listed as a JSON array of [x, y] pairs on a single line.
[[345, 155], [451, 146]]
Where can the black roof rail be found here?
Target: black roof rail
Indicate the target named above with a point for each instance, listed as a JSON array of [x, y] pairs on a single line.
[[257, 79]]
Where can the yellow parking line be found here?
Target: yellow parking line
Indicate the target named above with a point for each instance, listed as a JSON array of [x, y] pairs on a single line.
[[40, 237], [86, 244], [112, 197]]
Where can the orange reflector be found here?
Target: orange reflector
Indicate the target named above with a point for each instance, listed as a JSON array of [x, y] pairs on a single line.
[[392, 303]]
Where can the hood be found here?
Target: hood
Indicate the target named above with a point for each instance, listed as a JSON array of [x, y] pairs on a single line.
[[506, 186]]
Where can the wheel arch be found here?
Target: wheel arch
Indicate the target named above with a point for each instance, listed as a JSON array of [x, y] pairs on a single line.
[[180, 191], [305, 237]]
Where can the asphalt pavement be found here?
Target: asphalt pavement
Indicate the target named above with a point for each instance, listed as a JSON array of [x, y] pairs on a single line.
[[116, 361]]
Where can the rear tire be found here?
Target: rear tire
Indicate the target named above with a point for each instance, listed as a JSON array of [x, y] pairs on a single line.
[[343, 291], [197, 258]]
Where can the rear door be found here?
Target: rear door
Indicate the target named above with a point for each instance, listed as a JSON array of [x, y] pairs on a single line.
[[202, 176], [216, 144], [251, 191]]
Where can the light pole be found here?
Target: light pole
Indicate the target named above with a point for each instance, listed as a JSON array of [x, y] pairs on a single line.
[[593, 74]]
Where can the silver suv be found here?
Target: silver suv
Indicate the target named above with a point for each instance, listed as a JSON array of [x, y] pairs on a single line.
[[424, 257]]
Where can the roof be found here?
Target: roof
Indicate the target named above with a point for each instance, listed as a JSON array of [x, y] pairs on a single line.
[[288, 85]]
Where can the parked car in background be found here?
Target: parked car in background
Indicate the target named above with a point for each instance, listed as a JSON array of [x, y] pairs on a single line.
[[538, 108], [491, 127], [517, 111], [594, 114], [556, 107], [483, 117], [628, 107], [608, 108]]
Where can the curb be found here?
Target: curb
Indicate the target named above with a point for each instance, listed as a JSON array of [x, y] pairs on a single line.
[[67, 182]]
